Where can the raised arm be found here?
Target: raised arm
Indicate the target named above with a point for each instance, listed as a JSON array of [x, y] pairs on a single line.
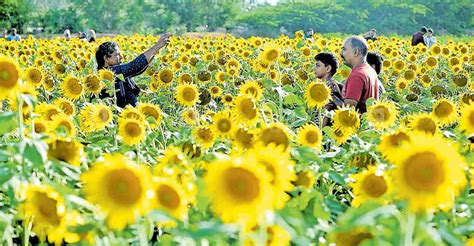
[[163, 41]]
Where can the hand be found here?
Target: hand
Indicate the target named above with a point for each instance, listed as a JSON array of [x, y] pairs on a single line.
[[164, 40]]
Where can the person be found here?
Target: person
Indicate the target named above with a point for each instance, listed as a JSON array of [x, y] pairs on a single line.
[[4, 33], [67, 34], [375, 60], [14, 35], [429, 39], [371, 35], [108, 56], [81, 36], [362, 82], [91, 37], [417, 37], [309, 33], [325, 67]]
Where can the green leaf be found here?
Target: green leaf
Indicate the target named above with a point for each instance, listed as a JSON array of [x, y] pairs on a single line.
[[6, 173], [35, 152], [8, 122], [336, 177], [292, 99]]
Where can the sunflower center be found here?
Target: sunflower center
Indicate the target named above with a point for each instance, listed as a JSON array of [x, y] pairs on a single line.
[[318, 93], [244, 138], [312, 137], [151, 112], [168, 197], [48, 209], [189, 94], [374, 186], [274, 135], [74, 87], [104, 115], [426, 125], [424, 171], [224, 125], [241, 184], [471, 118], [381, 113], [247, 107], [443, 110], [397, 139], [348, 119], [272, 54], [8, 76], [133, 129], [123, 186], [166, 76]]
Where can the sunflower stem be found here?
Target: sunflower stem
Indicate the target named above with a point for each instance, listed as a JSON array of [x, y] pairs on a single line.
[[20, 116], [320, 120], [27, 230], [410, 227]]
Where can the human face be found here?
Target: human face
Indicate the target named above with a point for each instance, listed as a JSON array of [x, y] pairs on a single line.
[[347, 53], [115, 58], [320, 70]]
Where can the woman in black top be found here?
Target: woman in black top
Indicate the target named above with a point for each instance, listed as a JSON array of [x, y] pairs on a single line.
[[108, 56]]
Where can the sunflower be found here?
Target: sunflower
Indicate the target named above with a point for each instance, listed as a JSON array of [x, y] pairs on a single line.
[[220, 77], [280, 169], [346, 119], [339, 135], [305, 179], [40, 125], [227, 99], [222, 124], [215, 91], [105, 74], [252, 88], [466, 121], [309, 135], [409, 75], [185, 78], [245, 110], [317, 94], [72, 88], [238, 183], [277, 236], [45, 208], [187, 94], [121, 188], [445, 112], [131, 130], [132, 113], [233, 64], [65, 149], [370, 184], [460, 80], [424, 123], [170, 197], [47, 111], [243, 138], [204, 136], [270, 53], [59, 69], [190, 116], [64, 121], [382, 114], [153, 111], [9, 76], [391, 142], [401, 84], [34, 76], [275, 133], [430, 173], [93, 84], [66, 106], [431, 62], [164, 77]]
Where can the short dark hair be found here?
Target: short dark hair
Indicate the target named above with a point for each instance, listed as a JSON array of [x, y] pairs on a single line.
[[430, 30], [376, 60], [424, 29], [105, 49], [328, 59]]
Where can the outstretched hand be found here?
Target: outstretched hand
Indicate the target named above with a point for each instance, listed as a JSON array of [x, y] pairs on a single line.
[[164, 40]]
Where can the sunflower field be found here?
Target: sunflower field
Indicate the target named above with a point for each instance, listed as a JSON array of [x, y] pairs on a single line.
[[225, 147]]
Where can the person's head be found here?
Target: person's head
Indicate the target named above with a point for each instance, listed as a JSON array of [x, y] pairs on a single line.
[[375, 60], [13, 31], [354, 50], [108, 54], [430, 32], [373, 30], [310, 31], [326, 65], [82, 35], [423, 29]]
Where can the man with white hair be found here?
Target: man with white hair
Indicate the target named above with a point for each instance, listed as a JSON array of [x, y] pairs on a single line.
[[362, 83]]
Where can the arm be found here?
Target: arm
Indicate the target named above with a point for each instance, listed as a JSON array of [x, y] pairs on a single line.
[[354, 87], [163, 41]]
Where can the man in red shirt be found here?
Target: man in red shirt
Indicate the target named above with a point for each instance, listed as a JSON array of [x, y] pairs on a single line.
[[362, 83], [418, 37]]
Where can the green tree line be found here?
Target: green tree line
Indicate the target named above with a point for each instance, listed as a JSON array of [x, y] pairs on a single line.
[[153, 16]]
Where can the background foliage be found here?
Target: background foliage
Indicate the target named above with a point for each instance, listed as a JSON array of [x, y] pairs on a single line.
[[243, 17]]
